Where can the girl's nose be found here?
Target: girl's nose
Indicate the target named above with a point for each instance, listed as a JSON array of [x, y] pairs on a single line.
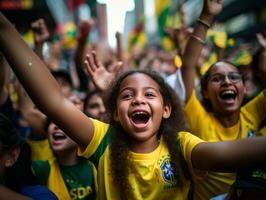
[[138, 100]]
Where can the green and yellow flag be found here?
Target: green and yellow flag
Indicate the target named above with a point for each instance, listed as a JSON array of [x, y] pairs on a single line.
[[137, 37], [162, 12], [220, 38], [242, 58]]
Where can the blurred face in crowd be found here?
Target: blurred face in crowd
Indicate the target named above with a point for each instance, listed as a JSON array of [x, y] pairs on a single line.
[[225, 88], [250, 86], [168, 67], [65, 86], [59, 141], [95, 107], [76, 101], [203, 56], [167, 63], [156, 64]]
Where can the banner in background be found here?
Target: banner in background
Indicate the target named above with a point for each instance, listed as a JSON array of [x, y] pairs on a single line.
[[137, 37], [16, 4]]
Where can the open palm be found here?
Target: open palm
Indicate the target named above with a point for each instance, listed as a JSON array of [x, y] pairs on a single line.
[[213, 7], [99, 75]]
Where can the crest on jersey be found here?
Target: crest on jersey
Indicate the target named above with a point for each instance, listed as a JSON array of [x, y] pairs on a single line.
[[168, 171]]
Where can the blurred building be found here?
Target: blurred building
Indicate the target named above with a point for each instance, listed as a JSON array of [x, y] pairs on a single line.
[[23, 12], [244, 18], [239, 18]]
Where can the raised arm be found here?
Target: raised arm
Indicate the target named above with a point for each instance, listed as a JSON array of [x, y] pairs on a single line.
[[119, 48], [84, 29], [231, 155], [40, 35], [211, 8], [41, 86]]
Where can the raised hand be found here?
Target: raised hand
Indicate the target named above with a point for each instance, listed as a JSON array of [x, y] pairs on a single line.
[[84, 28], [41, 33], [211, 8], [119, 50], [99, 75], [178, 36]]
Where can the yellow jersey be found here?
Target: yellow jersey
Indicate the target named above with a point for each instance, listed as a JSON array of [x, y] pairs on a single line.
[[151, 175], [204, 125]]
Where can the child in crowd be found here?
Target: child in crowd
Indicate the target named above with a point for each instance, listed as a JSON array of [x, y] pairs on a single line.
[[68, 176], [94, 106], [15, 165]]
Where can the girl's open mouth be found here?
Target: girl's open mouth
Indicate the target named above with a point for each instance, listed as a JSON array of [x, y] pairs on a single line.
[[228, 95], [140, 117], [58, 136]]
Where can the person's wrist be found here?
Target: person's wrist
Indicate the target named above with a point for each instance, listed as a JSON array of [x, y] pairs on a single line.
[[204, 23], [207, 18]]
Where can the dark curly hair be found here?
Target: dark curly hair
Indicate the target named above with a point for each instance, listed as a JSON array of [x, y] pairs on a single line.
[[204, 84], [169, 129], [20, 173]]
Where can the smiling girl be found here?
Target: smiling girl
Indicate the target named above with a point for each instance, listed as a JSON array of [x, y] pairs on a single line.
[[219, 117], [145, 125]]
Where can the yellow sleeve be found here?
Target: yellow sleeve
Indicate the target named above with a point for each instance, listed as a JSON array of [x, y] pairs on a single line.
[[188, 142], [100, 129], [195, 113], [255, 110]]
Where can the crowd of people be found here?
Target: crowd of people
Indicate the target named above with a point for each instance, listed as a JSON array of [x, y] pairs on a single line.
[[146, 124]]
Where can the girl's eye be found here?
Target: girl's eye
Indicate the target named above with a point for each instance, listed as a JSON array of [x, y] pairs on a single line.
[[149, 94], [234, 76], [126, 96], [216, 79]]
